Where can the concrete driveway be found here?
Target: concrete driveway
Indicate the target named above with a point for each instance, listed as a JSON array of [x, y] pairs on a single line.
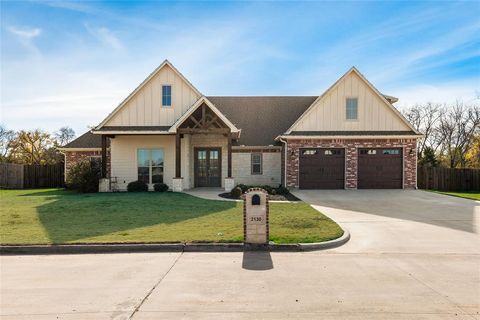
[[413, 255]]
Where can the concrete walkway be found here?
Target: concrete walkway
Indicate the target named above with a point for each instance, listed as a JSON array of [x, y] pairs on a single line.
[[413, 255], [208, 193]]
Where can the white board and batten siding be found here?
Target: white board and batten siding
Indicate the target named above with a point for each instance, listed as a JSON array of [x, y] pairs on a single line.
[[329, 112], [145, 107]]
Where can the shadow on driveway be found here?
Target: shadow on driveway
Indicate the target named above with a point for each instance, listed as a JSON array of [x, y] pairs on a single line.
[[413, 205]]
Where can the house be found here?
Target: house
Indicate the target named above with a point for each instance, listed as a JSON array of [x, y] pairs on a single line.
[[350, 137]]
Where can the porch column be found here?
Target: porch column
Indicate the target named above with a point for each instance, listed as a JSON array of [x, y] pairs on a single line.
[[104, 156], [229, 181], [178, 154], [229, 155], [177, 182]]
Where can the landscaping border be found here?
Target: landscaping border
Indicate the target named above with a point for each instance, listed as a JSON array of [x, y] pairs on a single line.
[[167, 247]]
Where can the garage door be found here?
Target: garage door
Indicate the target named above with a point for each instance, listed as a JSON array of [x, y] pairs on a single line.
[[380, 168], [322, 169]]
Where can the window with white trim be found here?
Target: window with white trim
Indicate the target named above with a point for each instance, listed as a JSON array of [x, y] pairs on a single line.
[[351, 111], [257, 163], [150, 165], [166, 95]]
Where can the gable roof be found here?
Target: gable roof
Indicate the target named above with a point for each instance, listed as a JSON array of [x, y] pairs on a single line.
[[196, 105], [152, 75], [382, 97], [262, 119]]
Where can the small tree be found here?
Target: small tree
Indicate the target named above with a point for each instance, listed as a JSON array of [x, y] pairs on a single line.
[[428, 158], [83, 177]]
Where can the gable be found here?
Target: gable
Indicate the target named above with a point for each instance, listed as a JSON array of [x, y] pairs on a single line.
[[144, 106], [328, 112]]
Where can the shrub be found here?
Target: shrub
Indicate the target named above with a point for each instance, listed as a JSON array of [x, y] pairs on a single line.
[[282, 190], [137, 186], [242, 187], [236, 192], [83, 177], [267, 188], [160, 187]]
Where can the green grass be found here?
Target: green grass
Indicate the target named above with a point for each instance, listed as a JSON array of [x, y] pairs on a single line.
[[474, 195], [53, 216]]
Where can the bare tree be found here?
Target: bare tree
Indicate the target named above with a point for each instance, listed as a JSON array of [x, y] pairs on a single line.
[[64, 135], [6, 137], [425, 119], [456, 130]]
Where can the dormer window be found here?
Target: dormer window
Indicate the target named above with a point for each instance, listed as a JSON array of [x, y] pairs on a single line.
[[166, 96], [352, 109]]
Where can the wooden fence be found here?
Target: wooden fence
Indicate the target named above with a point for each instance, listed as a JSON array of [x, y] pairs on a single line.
[[447, 179], [19, 176]]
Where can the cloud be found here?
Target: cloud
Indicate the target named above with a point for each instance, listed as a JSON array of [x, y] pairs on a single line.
[[26, 35], [105, 36]]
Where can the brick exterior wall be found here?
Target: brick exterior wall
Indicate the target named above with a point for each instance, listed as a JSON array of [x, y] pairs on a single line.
[[271, 167], [351, 155], [72, 157]]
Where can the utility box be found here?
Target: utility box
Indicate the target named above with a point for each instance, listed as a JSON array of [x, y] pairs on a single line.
[[255, 216]]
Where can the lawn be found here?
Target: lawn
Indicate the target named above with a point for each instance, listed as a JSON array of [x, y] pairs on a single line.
[[53, 216], [474, 195]]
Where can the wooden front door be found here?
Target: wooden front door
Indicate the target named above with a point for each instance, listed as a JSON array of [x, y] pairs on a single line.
[[208, 167]]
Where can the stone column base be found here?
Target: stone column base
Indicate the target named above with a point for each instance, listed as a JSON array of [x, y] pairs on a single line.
[[104, 185], [229, 184], [177, 184]]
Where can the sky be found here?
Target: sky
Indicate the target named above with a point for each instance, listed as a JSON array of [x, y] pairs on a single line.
[[70, 63]]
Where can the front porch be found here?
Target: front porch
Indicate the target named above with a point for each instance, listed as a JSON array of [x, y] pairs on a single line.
[[195, 152]]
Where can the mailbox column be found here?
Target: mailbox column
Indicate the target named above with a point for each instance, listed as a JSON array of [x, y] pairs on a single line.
[[255, 216]]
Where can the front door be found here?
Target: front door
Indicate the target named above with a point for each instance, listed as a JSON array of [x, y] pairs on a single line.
[[208, 167]]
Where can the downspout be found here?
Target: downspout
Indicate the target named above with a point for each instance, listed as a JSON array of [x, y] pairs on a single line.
[[285, 162]]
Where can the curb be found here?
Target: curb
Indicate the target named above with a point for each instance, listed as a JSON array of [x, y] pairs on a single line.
[[169, 247]]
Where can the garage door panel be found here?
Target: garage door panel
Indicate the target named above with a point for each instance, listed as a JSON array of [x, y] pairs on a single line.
[[380, 168], [322, 168]]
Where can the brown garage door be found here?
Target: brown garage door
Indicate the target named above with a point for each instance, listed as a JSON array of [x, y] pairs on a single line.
[[322, 169], [380, 168]]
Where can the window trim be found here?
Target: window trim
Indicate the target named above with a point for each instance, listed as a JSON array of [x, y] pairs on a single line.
[[260, 154], [171, 95], [150, 167], [346, 113]]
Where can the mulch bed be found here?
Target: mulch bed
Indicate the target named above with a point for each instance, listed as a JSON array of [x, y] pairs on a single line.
[[277, 197]]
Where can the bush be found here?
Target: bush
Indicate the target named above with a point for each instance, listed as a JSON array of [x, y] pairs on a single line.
[[282, 190], [267, 188], [83, 177], [242, 187], [137, 186], [160, 187], [236, 193]]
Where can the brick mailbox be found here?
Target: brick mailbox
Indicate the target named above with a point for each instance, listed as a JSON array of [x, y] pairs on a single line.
[[255, 216]]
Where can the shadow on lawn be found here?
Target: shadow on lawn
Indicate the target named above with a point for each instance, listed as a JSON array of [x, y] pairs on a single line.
[[72, 216]]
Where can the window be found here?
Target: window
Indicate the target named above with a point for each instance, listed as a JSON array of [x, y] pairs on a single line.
[[368, 151], [352, 109], [391, 151], [309, 152], [329, 152], [96, 162], [256, 163], [166, 96], [150, 165]]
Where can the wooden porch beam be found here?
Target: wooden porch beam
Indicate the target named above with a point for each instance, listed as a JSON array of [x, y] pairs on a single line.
[[104, 156], [229, 156], [211, 130], [178, 153]]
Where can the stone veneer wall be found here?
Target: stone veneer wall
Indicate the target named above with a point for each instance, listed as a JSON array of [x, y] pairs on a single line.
[[351, 154], [271, 166], [72, 157]]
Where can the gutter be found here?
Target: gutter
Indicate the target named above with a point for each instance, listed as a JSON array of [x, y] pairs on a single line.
[[284, 159]]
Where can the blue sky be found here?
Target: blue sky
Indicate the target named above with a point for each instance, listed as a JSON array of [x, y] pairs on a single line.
[[71, 63]]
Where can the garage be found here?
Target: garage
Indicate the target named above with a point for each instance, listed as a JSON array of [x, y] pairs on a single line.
[[380, 168], [322, 168]]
